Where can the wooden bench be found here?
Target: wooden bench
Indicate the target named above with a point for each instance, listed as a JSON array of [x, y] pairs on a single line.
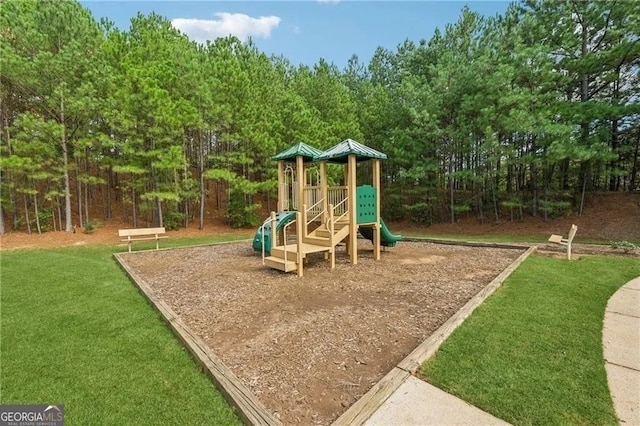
[[141, 234], [558, 239]]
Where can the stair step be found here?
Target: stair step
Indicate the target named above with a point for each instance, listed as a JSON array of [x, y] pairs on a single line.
[[278, 252], [318, 241], [280, 264], [324, 233], [336, 227]]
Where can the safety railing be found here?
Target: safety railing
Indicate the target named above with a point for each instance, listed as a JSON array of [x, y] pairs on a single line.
[[332, 220], [340, 209], [312, 197], [317, 208], [336, 196]]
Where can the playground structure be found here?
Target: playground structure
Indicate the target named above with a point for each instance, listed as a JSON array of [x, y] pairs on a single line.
[[323, 216]]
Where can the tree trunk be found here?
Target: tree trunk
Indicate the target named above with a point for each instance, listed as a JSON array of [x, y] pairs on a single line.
[[133, 208], [159, 207], [26, 214], [451, 192], [534, 179], [614, 179], [59, 213], [107, 211], [584, 190], [584, 126], [35, 211], [79, 191], [2, 225], [86, 202], [53, 216], [86, 187], [634, 169], [202, 183], [65, 156], [495, 185]]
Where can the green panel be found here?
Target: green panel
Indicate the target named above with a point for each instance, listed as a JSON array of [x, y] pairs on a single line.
[[366, 204]]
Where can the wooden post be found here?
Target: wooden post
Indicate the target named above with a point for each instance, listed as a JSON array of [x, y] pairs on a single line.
[[282, 201], [300, 181], [353, 205], [302, 224], [323, 190], [273, 229], [376, 185], [345, 172], [330, 228], [299, 254]]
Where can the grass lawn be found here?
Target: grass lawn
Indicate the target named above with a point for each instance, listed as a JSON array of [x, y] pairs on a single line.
[[532, 352], [75, 331]]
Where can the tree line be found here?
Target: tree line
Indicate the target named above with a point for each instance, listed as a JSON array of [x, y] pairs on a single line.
[[499, 117]]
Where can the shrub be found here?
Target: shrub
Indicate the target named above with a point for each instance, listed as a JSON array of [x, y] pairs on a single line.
[[555, 208], [90, 226], [626, 246], [240, 215], [420, 213], [173, 220], [45, 217]]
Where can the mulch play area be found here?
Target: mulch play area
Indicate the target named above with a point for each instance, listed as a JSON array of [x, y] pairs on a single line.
[[309, 347]]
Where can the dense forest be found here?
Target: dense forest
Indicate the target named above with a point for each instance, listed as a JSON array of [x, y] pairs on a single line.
[[499, 117]]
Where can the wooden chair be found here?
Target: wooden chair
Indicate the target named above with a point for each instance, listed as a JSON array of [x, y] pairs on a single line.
[[558, 239]]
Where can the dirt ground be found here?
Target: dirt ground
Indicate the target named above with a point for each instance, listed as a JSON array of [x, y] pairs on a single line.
[[310, 347]]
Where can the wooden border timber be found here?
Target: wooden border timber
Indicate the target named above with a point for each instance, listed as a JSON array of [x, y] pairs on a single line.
[[250, 409], [364, 408]]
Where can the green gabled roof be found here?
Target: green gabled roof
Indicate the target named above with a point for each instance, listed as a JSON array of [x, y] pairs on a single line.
[[307, 152], [340, 153]]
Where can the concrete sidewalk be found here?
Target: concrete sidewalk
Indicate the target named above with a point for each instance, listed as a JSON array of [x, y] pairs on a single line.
[[415, 402], [621, 343]]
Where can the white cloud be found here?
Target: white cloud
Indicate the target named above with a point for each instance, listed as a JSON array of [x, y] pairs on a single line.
[[237, 24], [328, 1]]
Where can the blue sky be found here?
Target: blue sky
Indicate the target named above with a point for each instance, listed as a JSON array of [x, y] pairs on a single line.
[[304, 31]]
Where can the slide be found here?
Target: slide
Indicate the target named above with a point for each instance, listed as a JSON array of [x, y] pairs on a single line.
[[387, 238], [282, 218]]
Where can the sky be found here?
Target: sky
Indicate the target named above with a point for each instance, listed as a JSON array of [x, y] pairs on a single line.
[[303, 31]]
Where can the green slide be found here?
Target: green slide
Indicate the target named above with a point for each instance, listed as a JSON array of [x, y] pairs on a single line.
[[387, 238], [282, 218]]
